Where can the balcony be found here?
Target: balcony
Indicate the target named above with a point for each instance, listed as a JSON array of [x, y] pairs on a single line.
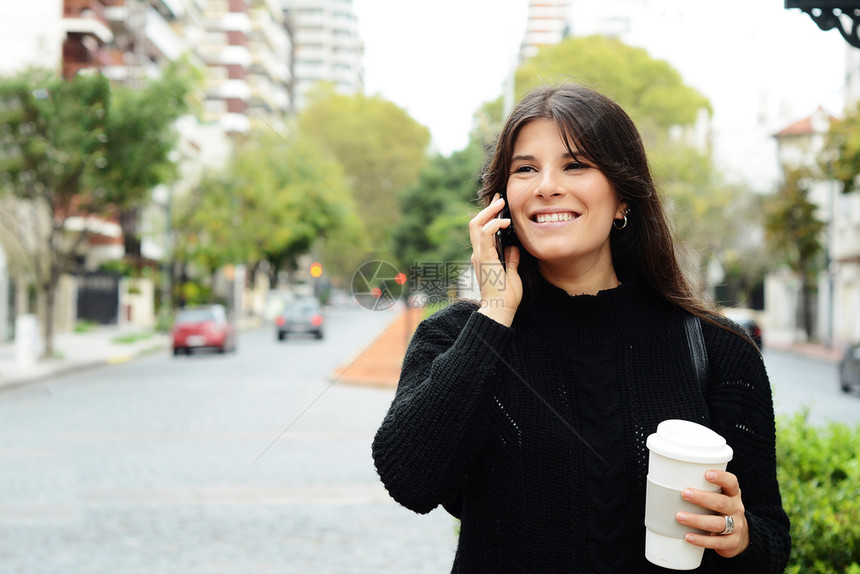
[[162, 37], [221, 55], [273, 32], [231, 89], [265, 62], [86, 17], [235, 123], [231, 21]]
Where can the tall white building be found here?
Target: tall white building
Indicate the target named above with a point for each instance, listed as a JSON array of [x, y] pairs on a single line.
[[247, 50], [547, 25], [326, 46]]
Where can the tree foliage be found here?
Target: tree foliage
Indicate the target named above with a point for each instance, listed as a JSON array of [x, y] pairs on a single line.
[[272, 203], [842, 150], [380, 147], [141, 135], [53, 149], [141, 138], [436, 211], [794, 233], [650, 90]]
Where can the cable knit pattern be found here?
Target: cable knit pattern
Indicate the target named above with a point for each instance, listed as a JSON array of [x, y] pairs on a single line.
[[534, 435]]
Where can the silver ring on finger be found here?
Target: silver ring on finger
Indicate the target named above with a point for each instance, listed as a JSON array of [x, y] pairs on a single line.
[[730, 526]]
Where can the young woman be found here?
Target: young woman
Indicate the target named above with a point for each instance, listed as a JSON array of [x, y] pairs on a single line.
[[526, 415]]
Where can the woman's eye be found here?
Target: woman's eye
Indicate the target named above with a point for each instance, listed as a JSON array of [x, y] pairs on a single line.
[[524, 169], [575, 165]]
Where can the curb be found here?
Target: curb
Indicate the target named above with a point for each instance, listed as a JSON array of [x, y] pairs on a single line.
[[51, 374], [75, 367], [248, 324]]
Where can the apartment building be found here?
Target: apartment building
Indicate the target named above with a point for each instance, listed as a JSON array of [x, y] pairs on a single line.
[[242, 46], [247, 49], [547, 25], [327, 46]]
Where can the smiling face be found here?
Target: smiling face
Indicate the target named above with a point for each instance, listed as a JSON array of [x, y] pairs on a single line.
[[562, 206]]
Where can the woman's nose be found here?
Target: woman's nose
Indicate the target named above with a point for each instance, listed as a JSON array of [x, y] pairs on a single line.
[[549, 184]]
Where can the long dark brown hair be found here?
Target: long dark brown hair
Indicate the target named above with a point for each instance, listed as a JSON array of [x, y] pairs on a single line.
[[601, 131]]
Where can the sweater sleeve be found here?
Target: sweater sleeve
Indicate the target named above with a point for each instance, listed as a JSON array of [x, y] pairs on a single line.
[[437, 420], [741, 410]]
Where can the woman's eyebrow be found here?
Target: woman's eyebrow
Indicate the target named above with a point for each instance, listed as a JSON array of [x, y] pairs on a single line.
[[527, 157], [523, 158]]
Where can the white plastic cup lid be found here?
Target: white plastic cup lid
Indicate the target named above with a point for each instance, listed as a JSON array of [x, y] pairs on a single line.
[[690, 442]]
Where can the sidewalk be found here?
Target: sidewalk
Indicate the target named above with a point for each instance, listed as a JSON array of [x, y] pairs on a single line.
[[379, 363], [77, 351], [102, 345], [788, 342]]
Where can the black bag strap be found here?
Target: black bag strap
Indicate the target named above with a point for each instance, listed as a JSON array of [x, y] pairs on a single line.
[[698, 353]]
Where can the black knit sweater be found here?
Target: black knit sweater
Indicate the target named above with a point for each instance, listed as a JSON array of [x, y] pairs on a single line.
[[535, 435]]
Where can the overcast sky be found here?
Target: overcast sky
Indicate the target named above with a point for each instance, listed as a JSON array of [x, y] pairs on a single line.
[[760, 65]]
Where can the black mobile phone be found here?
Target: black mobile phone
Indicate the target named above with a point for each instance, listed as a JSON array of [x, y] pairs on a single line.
[[505, 236]]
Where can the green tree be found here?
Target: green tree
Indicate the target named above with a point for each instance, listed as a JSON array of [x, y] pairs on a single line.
[[141, 137], [794, 233], [207, 224], [272, 203], [841, 159], [380, 147], [651, 91], [436, 212], [53, 148]]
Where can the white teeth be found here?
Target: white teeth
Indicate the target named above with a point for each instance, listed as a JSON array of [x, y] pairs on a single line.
[[550, 217]]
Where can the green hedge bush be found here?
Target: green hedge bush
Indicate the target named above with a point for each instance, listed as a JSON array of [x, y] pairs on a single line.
[[819, 478]]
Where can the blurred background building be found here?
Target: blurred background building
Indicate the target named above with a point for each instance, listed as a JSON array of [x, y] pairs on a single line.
[[548, 24], [259, 58], [326, 46]]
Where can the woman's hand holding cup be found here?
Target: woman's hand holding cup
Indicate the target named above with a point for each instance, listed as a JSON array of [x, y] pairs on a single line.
[[727, 503]]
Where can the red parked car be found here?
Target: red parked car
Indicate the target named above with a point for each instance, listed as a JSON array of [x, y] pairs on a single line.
[[205, 327]]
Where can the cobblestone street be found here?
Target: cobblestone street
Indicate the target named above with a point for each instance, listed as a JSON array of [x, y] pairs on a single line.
[[253, 462]]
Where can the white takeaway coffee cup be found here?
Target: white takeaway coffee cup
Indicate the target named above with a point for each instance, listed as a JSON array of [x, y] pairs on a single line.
[[681, 452]]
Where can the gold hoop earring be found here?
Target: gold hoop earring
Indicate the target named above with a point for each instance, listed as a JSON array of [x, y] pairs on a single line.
[[623, 225]]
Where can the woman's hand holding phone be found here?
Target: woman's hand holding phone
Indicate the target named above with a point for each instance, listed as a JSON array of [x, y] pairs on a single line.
[[500, 284]]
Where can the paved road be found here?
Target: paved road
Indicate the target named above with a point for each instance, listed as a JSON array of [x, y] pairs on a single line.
[[801, 382], [250, 462]]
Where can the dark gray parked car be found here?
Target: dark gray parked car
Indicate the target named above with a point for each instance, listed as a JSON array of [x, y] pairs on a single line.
[[303, 315], [849, 369]]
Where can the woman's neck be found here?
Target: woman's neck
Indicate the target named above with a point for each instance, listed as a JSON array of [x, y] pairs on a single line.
[[580, 281]]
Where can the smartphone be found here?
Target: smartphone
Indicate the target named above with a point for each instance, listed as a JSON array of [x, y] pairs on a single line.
[[506, 236]]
